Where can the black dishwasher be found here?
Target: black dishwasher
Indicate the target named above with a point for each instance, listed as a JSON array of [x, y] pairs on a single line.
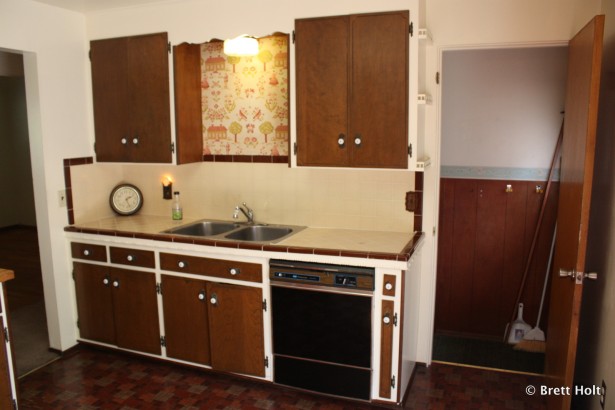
[[322, 316]]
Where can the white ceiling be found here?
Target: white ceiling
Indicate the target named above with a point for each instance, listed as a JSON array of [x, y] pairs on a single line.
[[85, 6]]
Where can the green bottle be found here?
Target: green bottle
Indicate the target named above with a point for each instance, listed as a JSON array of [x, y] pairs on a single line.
[[176, 211]]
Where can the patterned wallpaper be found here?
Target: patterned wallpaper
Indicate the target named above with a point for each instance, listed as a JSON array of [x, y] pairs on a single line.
[[245, 99]]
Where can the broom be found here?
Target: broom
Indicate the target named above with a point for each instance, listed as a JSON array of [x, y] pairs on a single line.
[[534, 340]]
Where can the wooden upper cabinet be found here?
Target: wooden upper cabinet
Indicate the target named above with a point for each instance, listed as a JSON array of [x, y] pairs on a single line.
[[188, 115], [130, 86], [352, 90]]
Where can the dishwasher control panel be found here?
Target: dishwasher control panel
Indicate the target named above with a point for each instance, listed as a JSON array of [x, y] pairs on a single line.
[[349, 277]]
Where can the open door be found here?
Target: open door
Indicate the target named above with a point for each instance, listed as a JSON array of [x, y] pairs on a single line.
[[582, 88]]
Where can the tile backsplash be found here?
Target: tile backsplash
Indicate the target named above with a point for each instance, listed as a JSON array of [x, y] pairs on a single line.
[[330, 198]]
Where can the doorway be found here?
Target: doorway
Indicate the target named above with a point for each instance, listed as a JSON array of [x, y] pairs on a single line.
[[19, 249], [501, 115]]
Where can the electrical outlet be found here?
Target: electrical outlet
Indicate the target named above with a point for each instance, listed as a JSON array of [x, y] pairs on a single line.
[[603, 394], [62, 198]]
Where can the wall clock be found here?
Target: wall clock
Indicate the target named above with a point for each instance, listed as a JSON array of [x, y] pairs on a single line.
[[126, 199]]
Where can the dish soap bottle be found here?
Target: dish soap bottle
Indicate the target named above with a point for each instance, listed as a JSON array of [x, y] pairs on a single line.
[[176, 210]]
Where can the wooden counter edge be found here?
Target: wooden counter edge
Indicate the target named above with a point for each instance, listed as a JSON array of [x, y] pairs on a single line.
[[6, 274]]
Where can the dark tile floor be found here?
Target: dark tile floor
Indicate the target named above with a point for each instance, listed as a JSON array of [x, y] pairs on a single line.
[[92, 379]]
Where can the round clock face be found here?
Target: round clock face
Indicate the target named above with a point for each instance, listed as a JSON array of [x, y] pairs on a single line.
[[126, 199]]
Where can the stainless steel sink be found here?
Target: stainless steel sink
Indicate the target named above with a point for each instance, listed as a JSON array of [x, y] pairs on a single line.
[[204, 228], [224, 230], [260, 233]]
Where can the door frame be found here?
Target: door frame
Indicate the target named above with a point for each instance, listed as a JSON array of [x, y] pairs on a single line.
[[431, 193]]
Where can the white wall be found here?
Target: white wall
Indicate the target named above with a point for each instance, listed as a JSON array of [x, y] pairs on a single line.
[[55, 55]]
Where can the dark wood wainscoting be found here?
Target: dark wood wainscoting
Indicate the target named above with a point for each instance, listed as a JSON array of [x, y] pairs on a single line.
[[485, 234]]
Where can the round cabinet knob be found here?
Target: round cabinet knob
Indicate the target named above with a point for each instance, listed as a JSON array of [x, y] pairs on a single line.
[[386, 319], [116, 284], [86, 252], [135, 140], [130, 258], [234, 271], [357, 141], [214, 299], [388, 286], [201, 295], [181, 264], [341, 140], [124, 141], [106, 281]]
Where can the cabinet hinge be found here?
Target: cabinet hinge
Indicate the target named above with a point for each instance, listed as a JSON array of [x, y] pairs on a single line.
[[163, 341], [410, 150], [267, 361], [172, 148], [169, 47], [411, 29], [6, 334], [73, 274], [293, 36], [393, 382], [78, 325], [395, 319], [159, 288], [94, 148], [437, 77], [90, 54], [295, 148], [265, 305]]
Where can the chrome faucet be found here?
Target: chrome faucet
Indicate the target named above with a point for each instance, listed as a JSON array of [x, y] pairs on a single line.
[[243, 208]]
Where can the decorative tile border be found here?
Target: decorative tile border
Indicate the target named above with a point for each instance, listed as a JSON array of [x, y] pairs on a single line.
[[263, 159], [517, 174]]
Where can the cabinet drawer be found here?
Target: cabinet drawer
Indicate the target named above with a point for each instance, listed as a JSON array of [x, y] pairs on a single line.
[[251, 272], [388, 285], [133, 257], [88, 251]]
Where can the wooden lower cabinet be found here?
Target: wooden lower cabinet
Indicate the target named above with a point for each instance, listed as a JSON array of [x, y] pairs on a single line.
[[236, 328], [117, 306], [216, 324], [186, 324], [386, 348]]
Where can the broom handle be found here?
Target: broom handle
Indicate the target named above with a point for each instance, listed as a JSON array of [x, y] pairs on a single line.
[[544, 286], [558, 147]]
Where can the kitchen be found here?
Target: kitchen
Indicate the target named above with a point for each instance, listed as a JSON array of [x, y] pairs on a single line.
[[55, 54]]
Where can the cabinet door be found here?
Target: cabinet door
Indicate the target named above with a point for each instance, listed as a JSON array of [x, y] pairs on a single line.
[[130, 86], [109, 61], [150, 117], [236, 328], [6, 393], [322, 91], [378, 135], [386, 349], [186, 326], [135, 310], [94, 302]]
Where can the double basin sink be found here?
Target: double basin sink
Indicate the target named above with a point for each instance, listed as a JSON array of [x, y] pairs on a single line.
[[236, 231]]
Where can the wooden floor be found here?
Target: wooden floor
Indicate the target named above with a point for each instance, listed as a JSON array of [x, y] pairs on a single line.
[[19, 252]]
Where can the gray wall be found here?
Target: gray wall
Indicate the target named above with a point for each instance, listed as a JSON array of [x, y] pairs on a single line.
[[501, 108]]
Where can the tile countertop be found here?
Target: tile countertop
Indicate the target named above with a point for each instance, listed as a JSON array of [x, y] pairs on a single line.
[[323, 241]]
